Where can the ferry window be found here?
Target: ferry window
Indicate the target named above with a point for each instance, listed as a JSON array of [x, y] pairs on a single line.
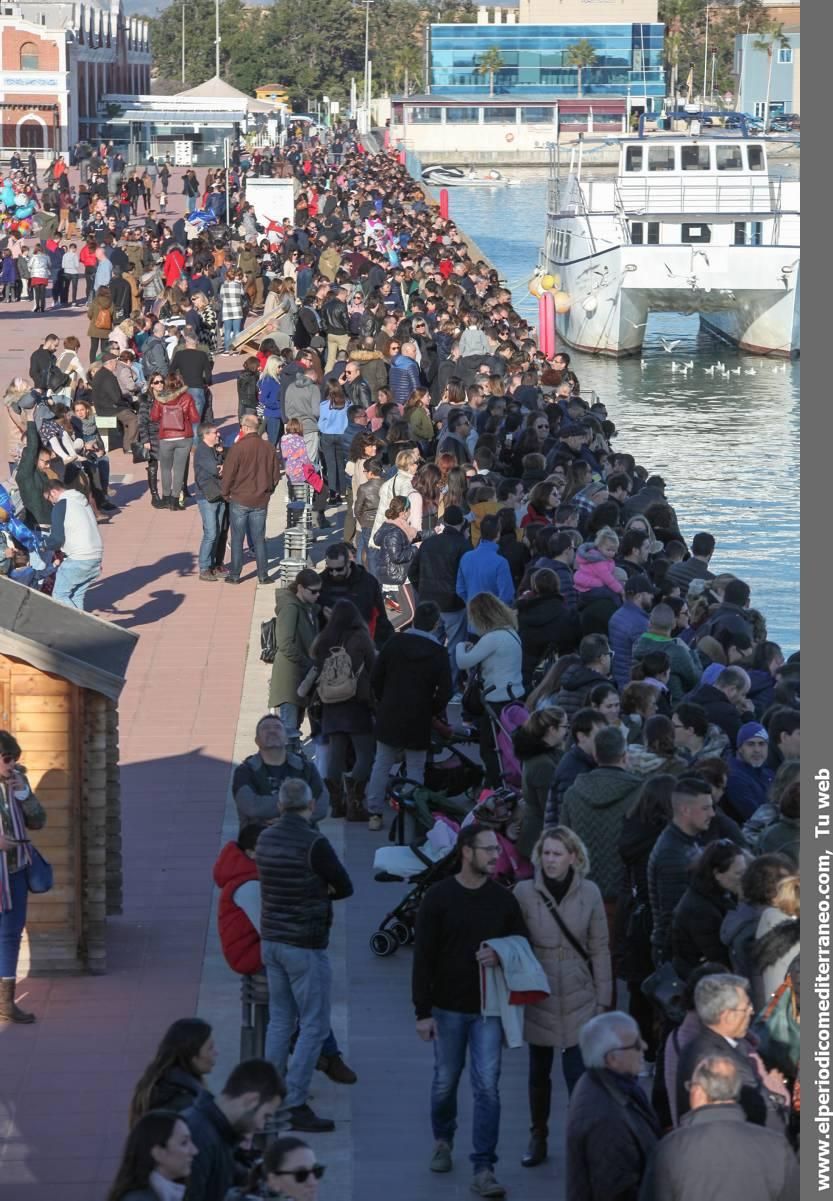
[[633, 158], [661, 158], [653, 233], [499, 116], [755, 157], [694, 158], [458, 116], [420, 115], [749, 233], [538, 114], [637, 233], [728, 158], [696, 233], [785, 54], [566, 250]]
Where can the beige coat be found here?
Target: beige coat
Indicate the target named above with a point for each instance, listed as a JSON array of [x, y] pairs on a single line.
[[577, 995]]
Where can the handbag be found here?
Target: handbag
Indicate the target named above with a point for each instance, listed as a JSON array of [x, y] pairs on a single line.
[[567, 932], [665, 988], [140, 452], [268, 640], [473, 694], [39, 874]]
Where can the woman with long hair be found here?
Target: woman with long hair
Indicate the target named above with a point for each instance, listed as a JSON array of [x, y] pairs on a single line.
[[538, 746], [543, 501], [348, 723], [455, 489], [176, 414], [573, 950], [207, 330], [332, 423], [497, 656], [288, 1171], [157, 1158], [269, 398], [639, 703], [148, 436], [174, 1077], [713, 891], [427, 487], [395, 542], [418, 415]]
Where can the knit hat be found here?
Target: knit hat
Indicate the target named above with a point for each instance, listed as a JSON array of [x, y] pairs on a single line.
[[752, 729], [712, 671]]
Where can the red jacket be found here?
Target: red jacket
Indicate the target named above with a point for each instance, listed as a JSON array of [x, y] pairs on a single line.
[[173, 267], [87, 256], [238, 937], [176, 413]]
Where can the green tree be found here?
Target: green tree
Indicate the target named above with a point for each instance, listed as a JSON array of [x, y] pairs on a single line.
[[770, 40], [489, 63], [580, 55]]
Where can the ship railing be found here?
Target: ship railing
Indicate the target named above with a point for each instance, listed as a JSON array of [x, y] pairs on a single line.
[[683, 196]]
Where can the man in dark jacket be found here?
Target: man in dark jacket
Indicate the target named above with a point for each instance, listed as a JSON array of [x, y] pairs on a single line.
[[251, 473], [194, 365], [594, 668], [750, 778], [731, 615], [109, 400], [725, 700], [42, 360], [696, 567], [611, 1128], [155, 353], [715, 1152], [257, 780], [686, 668], [344, 579], [433, 573], [356, 389], [335, 321], [595, 807], [213, 509], [300, 877], [411, 681], [725, 1011], [692, 810], [628, 624], [653, 493], [577, 761], [252, 1093]]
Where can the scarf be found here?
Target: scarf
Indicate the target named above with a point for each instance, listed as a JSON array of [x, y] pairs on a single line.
[[166, 1190], [13, 824], [401, 523]]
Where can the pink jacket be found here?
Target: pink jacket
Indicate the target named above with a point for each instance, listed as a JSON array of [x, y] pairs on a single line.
[[595, 571]]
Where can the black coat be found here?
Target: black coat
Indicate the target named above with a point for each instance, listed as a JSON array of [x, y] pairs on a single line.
[[695, 927], [573, 764], [719, 710], [668, 867], [545, 626], [757, 1103], [610, 1139], [395, 553], [516, 554], [411, 681], [213, 1170], [363, 590], [433, 572], [717, 1154], [175, 1090]]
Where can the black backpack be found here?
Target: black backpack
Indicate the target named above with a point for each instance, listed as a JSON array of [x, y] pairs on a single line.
[[268, 640]]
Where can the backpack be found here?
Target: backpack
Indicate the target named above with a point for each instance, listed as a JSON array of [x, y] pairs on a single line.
[[337, 681], [268, 641], [103, 319]]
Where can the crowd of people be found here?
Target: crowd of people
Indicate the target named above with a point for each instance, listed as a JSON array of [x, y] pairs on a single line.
[[502, 555]]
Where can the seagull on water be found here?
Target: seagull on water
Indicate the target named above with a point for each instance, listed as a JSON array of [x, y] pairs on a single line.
[[668, 347], [709, 370], [750, 371]]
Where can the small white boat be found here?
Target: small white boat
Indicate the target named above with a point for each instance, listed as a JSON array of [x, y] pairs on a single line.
[[441, 176]]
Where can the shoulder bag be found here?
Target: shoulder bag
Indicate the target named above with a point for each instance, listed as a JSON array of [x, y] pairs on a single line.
[[567, 932], [39, 873]]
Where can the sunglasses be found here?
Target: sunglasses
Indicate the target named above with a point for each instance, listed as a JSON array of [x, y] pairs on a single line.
[[302, 1175], [7, 759]]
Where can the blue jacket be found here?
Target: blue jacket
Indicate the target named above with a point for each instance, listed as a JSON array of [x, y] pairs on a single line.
[[269, 395], [485, 570], [332, 421], [404, 377], [565, 580], [747, 787], [626, 625]]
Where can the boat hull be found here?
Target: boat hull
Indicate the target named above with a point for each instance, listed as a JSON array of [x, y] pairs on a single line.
[[744, 295]]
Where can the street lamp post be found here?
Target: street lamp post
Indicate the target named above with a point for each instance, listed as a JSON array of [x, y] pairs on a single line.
[[183, 41], [217, 38]]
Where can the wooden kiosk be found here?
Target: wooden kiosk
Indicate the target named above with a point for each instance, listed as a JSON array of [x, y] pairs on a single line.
[[61, 673]]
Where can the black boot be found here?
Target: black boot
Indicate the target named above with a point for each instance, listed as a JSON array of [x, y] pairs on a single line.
[[539, 1109], [9, 1010], [153, 484]]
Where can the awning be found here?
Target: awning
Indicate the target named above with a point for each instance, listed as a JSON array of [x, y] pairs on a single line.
[[180, 117]]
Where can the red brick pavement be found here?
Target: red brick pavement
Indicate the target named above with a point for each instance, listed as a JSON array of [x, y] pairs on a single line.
[[65, 1082]]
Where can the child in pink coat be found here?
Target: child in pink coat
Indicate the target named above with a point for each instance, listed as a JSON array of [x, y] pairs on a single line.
[[595, 567]]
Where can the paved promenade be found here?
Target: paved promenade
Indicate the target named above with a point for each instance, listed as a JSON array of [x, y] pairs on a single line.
[[194, 691]]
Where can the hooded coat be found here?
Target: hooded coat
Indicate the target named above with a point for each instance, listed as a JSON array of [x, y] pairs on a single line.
[[302, 399], [175, 413], [776, 945], [545, 626], [577, 993], [685, 666], [238, 937], [296, 627], [695, 926], [595, 807], [539, 763], [576, 683]]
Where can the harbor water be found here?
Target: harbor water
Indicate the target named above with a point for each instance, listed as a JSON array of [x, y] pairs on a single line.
[[729, 448]]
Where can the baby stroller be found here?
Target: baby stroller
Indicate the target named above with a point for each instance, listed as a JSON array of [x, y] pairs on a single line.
[[448, 769], [424, 834], [504, 724]]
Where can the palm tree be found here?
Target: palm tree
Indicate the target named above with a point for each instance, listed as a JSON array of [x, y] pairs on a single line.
[[490, 61], [580, 55], [768, 41]]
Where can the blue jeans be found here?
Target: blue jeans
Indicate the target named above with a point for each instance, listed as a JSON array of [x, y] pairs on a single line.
[[273, 429], [299, 995], [11, 925], [72, 580], [372, 552], [192, 204], [199, 401], [455, 629], [244, 520], [211, 513], [483, 1037], [230, 331], [291, 717]]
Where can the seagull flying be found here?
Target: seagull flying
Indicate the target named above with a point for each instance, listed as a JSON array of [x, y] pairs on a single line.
[[668, 347]]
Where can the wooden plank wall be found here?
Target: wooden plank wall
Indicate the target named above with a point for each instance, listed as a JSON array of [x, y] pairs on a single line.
[[43, 712]]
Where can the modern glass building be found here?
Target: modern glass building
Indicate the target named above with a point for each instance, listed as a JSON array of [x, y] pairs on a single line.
[[629, 60]]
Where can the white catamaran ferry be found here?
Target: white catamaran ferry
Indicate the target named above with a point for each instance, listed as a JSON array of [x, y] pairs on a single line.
[[688, 223]]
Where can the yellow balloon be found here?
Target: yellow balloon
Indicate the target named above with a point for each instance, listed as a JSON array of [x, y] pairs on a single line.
[[548, 282], [535, 286], [562, 302]]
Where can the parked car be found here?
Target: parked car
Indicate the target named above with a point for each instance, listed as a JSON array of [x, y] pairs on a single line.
[[785, 123]]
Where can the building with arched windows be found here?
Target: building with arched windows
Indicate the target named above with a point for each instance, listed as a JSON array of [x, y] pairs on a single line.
[[57, 61]]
